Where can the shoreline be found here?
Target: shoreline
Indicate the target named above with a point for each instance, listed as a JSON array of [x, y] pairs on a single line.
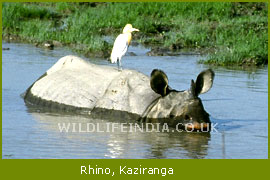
[[249, 67]]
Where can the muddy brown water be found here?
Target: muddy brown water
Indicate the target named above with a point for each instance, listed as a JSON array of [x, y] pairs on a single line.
[[237, 103]]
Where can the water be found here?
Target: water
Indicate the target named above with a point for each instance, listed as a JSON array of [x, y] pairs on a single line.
[[238, 103]]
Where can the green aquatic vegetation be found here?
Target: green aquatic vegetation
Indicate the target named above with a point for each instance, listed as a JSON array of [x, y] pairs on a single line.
[[229, 33]]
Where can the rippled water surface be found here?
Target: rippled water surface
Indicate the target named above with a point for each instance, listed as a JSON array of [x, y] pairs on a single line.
[[238, 103]]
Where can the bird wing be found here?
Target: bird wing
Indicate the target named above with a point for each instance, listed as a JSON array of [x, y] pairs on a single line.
[[119, 47]]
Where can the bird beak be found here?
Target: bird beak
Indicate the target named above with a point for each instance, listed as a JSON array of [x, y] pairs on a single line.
[[134, 29]]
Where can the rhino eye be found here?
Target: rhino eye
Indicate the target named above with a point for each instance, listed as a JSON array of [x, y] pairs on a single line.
[[172, 116], [187, 117]]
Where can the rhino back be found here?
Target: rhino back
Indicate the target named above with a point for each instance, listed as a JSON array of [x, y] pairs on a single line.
[[130, 91], [75, 83]]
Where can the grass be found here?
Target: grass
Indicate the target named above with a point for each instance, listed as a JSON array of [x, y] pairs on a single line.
[[230, 33]]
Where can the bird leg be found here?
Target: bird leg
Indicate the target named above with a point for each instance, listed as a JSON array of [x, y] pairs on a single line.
[[119, 65]]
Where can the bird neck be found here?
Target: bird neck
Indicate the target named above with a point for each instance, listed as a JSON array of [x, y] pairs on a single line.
[[129, 37]]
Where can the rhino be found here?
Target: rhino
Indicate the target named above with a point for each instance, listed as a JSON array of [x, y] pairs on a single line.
[[75, 85]]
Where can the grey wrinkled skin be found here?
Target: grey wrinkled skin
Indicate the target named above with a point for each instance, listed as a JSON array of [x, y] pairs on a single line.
[[73, 84], [177, 107]]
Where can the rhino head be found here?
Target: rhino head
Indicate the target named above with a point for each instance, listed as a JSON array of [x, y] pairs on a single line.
[[183, 109]]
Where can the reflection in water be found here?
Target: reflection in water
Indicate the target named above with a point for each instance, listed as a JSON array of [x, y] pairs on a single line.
[[120, 144], [184, 145]]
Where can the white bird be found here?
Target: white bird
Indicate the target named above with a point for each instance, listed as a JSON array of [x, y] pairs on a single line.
[[121, 44]]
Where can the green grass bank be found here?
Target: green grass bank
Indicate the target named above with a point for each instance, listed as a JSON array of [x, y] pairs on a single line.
[[228, 33]]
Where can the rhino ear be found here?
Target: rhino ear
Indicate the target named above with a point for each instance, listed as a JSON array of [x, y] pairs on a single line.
[[159, 82], [203, 82]]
